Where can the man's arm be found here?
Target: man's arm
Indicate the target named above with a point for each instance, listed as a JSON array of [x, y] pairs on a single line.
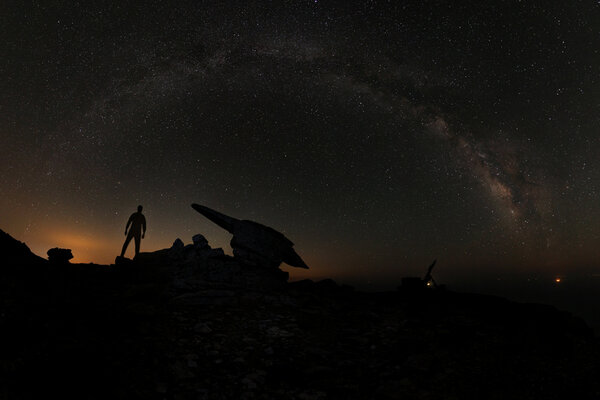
[[143, 226], [129, 222]]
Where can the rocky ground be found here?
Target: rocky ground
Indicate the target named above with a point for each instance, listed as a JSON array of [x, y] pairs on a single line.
[[191, 323]]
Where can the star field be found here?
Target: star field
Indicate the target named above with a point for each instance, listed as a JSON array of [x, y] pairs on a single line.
[[376, 135]]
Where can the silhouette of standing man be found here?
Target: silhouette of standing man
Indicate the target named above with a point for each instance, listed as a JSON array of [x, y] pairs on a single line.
[[137, 222]]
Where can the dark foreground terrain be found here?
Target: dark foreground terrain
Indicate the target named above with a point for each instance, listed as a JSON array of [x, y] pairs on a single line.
[[187, 323]]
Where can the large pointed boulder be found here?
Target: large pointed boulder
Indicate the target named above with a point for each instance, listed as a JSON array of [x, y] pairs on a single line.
[[254, 243]]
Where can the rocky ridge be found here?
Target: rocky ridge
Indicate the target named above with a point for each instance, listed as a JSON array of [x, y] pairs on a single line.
[[189, 322]]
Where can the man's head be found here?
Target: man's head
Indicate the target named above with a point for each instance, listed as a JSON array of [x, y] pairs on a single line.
[[140, 208]]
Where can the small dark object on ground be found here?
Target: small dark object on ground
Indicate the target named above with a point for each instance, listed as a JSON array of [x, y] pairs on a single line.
[[415, 283], [428, 279], [122, 260], [59, 256]]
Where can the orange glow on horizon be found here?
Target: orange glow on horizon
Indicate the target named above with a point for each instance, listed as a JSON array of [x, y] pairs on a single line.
[[85, 247]]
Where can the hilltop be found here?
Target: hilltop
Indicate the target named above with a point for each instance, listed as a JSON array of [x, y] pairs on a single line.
[[189, 322]]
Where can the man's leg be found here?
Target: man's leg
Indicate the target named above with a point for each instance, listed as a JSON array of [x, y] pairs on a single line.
[[137, 244], [126, 244]]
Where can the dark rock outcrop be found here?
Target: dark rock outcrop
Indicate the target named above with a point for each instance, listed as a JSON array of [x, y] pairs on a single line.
[[200, 242], [199, 264], [183, 273], [14, 252], [253, 243], [59, 256]]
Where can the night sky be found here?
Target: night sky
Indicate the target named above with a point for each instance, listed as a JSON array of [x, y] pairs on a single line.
[[377, 136]]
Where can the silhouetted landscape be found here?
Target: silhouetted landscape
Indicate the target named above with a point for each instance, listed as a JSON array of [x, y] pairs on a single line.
[[389, 200], [189, 322]]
